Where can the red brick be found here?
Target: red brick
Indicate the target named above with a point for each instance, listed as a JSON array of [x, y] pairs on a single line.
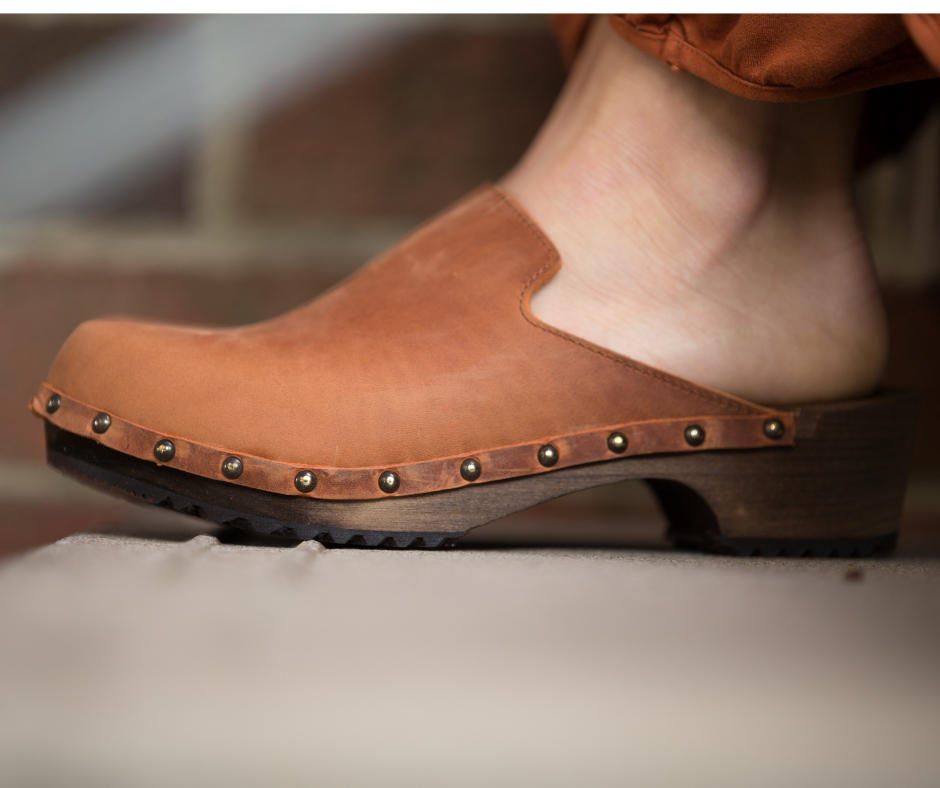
[[407, 134]]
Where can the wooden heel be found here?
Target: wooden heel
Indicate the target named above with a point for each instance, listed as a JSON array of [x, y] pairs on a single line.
[[839, 491]]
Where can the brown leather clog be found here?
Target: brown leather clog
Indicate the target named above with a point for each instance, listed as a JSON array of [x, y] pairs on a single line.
[[421, 398]]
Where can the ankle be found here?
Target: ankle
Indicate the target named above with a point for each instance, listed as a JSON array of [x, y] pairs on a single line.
[[719, 227], [632, 144]]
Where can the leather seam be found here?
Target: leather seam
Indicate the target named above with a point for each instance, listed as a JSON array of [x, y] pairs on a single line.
[[553, 257]]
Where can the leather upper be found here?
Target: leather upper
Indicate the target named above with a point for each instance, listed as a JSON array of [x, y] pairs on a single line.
[[430, 351]]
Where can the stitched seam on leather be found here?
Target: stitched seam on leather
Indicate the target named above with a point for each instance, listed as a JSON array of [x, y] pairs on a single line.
[[772, 89], [622, 361]]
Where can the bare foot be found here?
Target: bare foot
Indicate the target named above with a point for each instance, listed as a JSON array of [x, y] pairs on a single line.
[[705, 234]]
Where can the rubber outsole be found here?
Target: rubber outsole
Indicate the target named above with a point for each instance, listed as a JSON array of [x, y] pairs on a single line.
[[140, 491]]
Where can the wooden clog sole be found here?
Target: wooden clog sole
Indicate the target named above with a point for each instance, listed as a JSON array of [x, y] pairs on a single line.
[[838, 491]]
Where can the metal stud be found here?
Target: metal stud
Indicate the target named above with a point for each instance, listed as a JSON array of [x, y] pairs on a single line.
[[773, 429], [164, 451], [101, 423], [617, 442], [470, 469], [305, 481], [232, 468], [548, 455], [53, 403], [694, 435], [389, 481]]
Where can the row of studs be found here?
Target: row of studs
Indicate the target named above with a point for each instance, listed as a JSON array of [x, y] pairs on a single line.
[[389, 481]]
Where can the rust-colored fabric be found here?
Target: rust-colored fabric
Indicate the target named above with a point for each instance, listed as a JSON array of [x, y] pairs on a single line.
[[925, 30], [779, 57], [430, 352]]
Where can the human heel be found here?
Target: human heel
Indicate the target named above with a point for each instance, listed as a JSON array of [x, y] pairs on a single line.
[[838, 491]]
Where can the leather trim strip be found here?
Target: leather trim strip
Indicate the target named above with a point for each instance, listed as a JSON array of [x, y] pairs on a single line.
[[644, 437]]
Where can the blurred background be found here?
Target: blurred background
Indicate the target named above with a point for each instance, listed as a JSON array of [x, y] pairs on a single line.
[[225, 169]]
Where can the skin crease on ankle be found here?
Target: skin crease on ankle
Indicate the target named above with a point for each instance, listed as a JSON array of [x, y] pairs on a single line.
[[705, 234]]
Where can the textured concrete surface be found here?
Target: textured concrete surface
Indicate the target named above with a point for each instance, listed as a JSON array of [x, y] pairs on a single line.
[[168, 652]]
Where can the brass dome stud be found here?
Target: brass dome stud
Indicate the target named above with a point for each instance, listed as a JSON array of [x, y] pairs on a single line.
[[694, 435], [305, 481], [164, 451], [773, 429], [232, 468], [53, 403], [548, 455], [617, 442], [470, 469], [101, 423], [389, 482]]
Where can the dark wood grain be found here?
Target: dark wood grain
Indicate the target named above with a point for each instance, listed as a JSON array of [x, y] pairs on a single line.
[[839, 490]]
